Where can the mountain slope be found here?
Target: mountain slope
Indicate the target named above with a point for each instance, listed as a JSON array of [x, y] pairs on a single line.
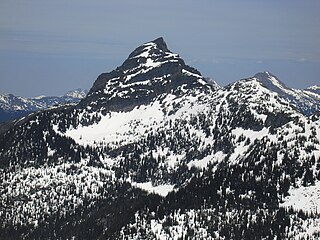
[[155, 150]]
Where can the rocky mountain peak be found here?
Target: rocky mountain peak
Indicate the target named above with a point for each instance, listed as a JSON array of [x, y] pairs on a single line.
[[305, 101], [157, 45], [265, 74], [161, 44], [270, 81], [150, 71], [150, 54]]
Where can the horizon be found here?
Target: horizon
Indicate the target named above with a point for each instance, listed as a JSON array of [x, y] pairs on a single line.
[[56, 51]]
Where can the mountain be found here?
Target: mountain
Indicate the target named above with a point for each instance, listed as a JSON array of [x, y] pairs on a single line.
[[151, 71], [306, 101], [157, 151], [12, 107]]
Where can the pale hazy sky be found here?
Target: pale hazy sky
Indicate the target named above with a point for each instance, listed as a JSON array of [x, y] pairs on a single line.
[[50, 47]]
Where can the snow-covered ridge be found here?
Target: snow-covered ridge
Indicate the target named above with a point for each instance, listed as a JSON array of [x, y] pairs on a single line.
[[315, 88], [306, 101]]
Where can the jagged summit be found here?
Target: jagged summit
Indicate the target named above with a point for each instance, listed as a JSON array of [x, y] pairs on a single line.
[[161, 44], [150, 54], [150, 71], [157, 44]]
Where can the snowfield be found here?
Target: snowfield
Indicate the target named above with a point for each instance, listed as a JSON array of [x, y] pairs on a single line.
[[303, 198]]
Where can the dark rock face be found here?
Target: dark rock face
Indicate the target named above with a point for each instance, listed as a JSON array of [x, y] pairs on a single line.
[[149, 71]]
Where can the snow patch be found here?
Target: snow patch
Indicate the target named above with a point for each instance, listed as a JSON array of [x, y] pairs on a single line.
[[203, 163], [161, 190], [118, 126], [306, 199], [191, 74]]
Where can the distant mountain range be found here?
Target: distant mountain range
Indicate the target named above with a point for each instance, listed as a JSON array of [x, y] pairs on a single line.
[[157, 151], [12, 107]]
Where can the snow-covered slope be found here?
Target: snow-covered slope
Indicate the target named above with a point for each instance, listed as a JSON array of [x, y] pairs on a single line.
[[155, 150]]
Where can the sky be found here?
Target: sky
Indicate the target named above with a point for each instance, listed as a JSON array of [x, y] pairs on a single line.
[[50, 47]]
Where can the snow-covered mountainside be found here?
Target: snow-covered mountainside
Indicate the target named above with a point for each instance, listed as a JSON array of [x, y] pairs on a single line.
[[157, 151], [12, 106]]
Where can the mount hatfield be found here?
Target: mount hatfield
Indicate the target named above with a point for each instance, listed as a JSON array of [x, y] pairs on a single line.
[[150, 71], [156, 151]]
